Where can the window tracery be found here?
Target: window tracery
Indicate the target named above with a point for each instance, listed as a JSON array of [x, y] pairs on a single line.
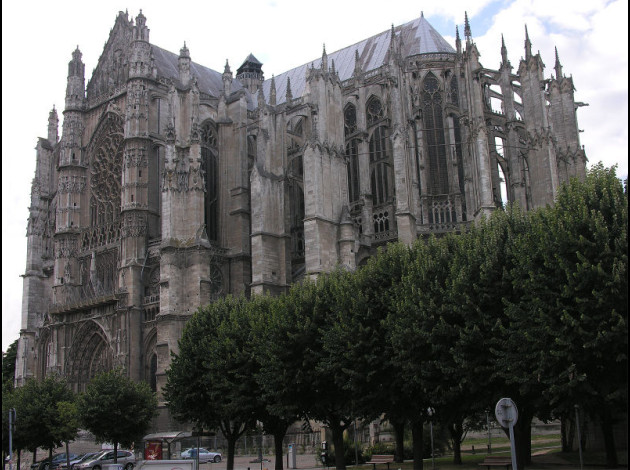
[[434, 132], [106, 172], [352, 153], [295, 188]]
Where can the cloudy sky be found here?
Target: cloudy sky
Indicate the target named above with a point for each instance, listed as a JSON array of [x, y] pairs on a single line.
[[38, 38]]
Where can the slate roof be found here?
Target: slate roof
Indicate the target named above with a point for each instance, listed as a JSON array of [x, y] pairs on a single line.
[[208, 80], [418, 37]]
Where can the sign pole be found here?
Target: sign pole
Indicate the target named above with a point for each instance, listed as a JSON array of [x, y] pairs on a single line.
[[507, 416]]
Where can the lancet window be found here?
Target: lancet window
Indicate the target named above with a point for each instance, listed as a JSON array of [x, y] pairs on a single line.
[[209, 168], [380, 153], [434, 132], [352, 152], [295, 176]]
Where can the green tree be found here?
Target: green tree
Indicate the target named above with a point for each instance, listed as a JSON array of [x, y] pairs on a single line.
[[577, 272], [301, 368], [9, 357], [38, 420], [211, 381], [422, 331], [376, 378], [276, 415], [490, 357], [115, 409], [68, 424]]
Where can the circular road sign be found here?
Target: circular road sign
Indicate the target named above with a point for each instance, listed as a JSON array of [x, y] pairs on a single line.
[[506, 412]]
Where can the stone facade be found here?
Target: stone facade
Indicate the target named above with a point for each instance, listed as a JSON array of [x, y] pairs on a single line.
[[173, 184]]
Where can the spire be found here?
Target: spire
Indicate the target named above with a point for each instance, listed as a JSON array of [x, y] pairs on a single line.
[[53, 123], [227, 79], [324, 60], [558, 66], [184, 52], [467, 33], [528, 45], [504, 57], [140, 30], [76, 68], [272, 91], [75, 88], [289, 93], [458, 41]]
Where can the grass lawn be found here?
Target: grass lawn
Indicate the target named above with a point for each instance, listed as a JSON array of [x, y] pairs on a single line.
[[546, 454]]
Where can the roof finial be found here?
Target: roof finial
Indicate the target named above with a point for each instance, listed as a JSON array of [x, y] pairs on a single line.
[[422, 14], [272, 91], [289, 93], [324, 60], [558, 66]]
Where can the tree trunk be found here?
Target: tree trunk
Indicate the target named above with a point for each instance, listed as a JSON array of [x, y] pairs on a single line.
[[50, 454], [456, 430], [523, 440], [231, 442], [609, 439], [567, 431], [340, 457], [418, 445], [399, 431], [278, 437], [67, 455], [19, 458], [115, 453]]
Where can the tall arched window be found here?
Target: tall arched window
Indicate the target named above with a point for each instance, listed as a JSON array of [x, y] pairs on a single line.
[[380, 153], [434, 131], [209, 167], [295, 178], [352, 152]]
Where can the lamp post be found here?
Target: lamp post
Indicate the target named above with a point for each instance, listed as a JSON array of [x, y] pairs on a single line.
[[11, 423], [430, 412], [488, 426]]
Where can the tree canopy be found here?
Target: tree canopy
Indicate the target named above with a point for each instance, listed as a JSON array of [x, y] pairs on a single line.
[[116, 409]]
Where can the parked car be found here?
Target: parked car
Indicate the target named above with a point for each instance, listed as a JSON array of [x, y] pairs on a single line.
[[63, 465], [125, 458], [45, 464], [204, 455]]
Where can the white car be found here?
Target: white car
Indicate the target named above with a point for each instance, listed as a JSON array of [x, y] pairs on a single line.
[[204, 455], [125, 457]]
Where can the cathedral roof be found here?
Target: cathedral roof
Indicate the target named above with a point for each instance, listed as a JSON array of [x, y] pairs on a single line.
[[418, 37], [208, 80]]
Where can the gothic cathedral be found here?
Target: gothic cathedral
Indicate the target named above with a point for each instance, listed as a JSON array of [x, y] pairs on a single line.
[[173, 184]]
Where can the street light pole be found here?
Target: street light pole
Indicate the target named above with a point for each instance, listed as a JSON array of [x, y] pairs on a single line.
[[11, 421]]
